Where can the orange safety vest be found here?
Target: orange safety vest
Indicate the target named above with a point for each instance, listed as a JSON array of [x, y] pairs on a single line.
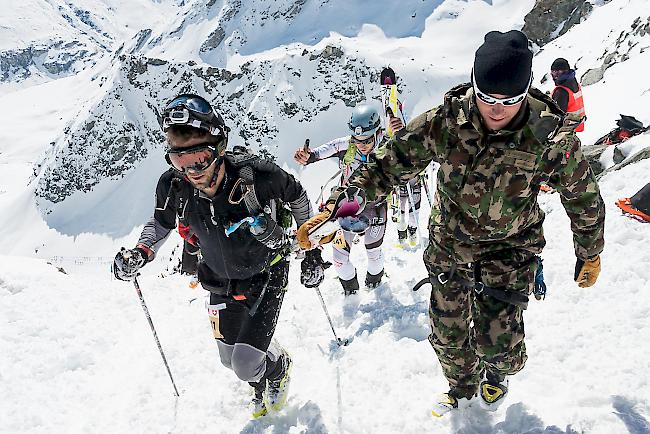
[[576, 104]]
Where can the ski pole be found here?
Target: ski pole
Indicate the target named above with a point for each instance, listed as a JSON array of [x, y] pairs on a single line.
[[339, 341], [306, 147], [425, 181], [155, 335], [322, 189]]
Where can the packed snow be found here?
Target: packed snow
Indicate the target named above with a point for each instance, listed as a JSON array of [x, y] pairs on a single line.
[[77, 352]]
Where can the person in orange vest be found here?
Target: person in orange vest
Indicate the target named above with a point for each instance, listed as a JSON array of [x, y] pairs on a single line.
[[568, 92]]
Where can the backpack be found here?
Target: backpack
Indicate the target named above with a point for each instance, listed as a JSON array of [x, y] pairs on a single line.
[[246, 164], [627, 126]]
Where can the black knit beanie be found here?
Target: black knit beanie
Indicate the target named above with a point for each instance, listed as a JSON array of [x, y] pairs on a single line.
[[560, 64], [503, 64]]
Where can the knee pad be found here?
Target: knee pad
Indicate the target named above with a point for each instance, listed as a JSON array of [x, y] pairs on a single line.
[[248, 362], [225, 354]]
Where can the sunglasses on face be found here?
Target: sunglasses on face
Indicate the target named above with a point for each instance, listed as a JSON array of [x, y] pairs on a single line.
[[195, 158], [365, 141], [490, 100], [557, 74]]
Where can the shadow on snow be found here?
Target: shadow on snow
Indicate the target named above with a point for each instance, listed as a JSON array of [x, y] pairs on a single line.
[[307, 417], [405, 318]]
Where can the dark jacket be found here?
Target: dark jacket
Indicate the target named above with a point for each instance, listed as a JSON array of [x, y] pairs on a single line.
[[240, 255], [561, 96]]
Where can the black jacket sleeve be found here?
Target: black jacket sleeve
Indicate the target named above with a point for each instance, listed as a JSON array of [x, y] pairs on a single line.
[[166, 191], [158, 228], [561, 97]]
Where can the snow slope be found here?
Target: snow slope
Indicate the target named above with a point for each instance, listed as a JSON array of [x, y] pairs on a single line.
[[82, 358], [78, 356]]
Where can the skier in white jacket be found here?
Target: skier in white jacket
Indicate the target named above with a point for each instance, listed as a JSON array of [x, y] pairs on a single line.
[[353, 151]]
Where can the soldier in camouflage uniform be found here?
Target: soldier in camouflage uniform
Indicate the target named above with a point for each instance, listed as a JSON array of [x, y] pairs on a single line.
[[496, 139]]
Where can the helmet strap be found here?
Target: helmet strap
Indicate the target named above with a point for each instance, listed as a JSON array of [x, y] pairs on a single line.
[[217, 168]]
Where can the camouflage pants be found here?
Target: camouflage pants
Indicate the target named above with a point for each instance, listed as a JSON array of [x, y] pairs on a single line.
[[473, 332]]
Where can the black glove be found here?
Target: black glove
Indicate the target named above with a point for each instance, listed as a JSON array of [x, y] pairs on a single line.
[[312, 157], [128, 262], [312, 269]]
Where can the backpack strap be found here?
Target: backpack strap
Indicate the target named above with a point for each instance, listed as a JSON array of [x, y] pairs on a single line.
[[245, 163], [181, 191]]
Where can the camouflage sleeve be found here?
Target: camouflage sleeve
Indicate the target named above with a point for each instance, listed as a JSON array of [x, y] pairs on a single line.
[[399, 160], [581, 199]]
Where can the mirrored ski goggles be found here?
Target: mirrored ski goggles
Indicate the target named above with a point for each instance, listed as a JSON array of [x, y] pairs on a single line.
[[194, 111], [490, 100], [196, 158], [363, 141], [191, 102]]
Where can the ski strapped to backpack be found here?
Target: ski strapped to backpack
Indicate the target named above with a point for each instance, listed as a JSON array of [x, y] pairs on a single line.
[[390, 98]]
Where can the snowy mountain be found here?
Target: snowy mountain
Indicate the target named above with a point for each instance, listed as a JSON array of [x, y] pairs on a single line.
[[82, 84]]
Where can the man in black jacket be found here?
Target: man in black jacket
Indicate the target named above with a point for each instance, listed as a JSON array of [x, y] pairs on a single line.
[[245, 269]]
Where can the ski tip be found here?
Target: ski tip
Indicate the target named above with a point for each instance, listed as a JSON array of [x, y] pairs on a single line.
[[387, 77]]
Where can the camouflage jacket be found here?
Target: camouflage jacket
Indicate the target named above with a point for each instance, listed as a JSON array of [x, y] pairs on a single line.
[[488, 182]]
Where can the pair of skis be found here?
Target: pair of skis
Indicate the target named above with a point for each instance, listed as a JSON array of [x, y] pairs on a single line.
[[393, 107]]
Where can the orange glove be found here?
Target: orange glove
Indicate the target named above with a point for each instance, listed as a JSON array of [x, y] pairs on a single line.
[[306, 234], [587, 272]]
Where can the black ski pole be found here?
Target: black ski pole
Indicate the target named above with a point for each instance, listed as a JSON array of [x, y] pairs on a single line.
[[425, 183], [339, 341], [155, 335]]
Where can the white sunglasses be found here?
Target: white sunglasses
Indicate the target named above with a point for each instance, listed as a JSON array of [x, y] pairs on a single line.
[[490, 100]]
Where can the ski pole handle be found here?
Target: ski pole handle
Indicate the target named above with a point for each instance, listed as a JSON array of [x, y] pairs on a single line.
[[306, 147]]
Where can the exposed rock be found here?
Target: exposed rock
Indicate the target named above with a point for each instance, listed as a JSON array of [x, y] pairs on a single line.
[[618, 155], [593, 75], [289, 13], [619, 52], [140, 39], [641, 155], [57, 58], [327, 53], [214, 40], [552, 18], [592, 154]]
